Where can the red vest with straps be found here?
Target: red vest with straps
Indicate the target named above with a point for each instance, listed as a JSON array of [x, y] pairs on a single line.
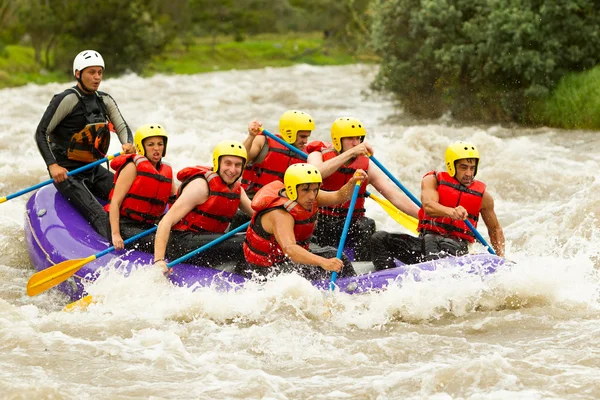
[[338, 179], [453, 194], [260, 247], [215, 214], [149, 193], [272, 168]]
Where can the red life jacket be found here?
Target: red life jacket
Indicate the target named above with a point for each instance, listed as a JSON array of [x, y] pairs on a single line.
[[272, 168], [338, 179], [215, 214], [453, 194], [260, 247], [149, 193]]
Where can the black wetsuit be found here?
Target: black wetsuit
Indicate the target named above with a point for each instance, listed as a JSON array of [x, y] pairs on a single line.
[[68, 113], [183, 242], [329, 232], [385, 247]]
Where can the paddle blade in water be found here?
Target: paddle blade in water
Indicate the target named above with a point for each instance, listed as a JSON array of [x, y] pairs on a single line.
[[79, 305], [50, 277]]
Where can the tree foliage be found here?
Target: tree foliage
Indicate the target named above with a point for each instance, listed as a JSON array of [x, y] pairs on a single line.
[[127, 34], [481, 59]]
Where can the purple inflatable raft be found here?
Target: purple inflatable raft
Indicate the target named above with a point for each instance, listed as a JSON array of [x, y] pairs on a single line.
[[56, 232]]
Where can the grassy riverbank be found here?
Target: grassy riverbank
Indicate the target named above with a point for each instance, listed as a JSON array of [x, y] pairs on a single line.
[[18, 66]]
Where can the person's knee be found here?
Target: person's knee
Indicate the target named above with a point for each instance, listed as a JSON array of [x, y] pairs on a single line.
[[366, 225], [379, 238]]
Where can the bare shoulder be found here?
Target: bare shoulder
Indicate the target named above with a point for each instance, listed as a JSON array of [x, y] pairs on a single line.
[[487, 201], [429, 182]]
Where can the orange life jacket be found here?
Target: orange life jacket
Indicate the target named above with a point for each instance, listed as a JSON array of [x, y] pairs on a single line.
[[92, 142], [147, 198], [272, 168], [452, 194], [260, 247], [338, 179], [215, 214]]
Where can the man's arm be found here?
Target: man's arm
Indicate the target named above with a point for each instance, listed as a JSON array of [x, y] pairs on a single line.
[[344, 194], [431, 201], [59, 108], [124, 181], [123, 131], [245, 204], [391, 192], [281, 224], [194, 193], [254, 142], [327, 168], [491, 222]]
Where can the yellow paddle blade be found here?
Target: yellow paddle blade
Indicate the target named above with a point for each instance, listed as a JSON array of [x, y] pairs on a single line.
[[50, 277], [80, 305], [2, 200], [403, 219]]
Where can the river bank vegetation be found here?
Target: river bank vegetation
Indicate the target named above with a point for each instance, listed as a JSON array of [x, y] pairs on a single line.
[[531, 62]]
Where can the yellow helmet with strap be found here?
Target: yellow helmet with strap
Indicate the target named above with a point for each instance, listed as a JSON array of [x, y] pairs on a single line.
[[293, 121], [146, 131], [458, 151], [298, 174], [346, 127], [229, 148]]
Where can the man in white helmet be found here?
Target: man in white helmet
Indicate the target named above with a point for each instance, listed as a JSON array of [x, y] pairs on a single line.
[[75, 131]]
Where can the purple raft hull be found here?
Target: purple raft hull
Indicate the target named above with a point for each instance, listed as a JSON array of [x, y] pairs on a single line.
[[56, 232]]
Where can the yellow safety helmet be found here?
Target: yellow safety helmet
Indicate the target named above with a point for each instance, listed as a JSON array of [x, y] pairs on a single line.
[[346, 127], [229, 148], [146, 131], [458, 151], [298, 174], [293, 121]]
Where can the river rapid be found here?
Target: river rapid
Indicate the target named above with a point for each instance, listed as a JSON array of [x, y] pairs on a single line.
[[531, 332]]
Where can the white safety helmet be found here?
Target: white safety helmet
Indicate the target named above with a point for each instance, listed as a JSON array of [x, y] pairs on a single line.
[[87, 58]]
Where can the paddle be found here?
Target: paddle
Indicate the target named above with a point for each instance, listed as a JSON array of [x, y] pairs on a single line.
[[403, 219], [87, 300], [345, 230], [52, 276], [49, 181], [418, 203]]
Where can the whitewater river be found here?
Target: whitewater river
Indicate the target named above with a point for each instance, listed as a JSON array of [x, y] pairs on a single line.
[[529, 333]]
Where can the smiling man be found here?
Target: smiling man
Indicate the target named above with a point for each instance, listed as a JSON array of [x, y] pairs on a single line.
[[75, 131], [278, 238], [207, 200], [448, 199]]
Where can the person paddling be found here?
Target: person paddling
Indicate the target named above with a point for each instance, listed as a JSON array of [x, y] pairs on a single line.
[[278, 238], [142, 186], [207, 200], [74, 131], [268, 159], [337, 161], [448, 199]]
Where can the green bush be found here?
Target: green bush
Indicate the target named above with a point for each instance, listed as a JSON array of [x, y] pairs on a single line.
[[481, 60]]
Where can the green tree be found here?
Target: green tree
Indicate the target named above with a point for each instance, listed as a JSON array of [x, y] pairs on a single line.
[[485, 60], [127, 34]]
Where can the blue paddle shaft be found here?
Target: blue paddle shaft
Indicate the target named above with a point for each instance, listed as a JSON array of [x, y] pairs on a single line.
[[418, 203], [342, 243], [127, 241], [49, 181], [396, 181], [208, 245], [389, 175], [291, 147]]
